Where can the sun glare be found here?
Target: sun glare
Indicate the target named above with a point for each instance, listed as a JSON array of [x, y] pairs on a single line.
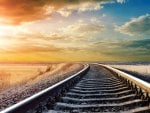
[[4, 44], [8, 35], [4, 32], [5, 40]]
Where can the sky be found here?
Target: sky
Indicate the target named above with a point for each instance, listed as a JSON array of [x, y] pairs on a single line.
[[74, 30]]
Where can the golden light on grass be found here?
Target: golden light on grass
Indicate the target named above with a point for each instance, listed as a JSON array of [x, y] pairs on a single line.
[[20, 74], [16, 74]]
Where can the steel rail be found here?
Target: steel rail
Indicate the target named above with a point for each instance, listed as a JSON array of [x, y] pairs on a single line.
[[134, 80], [31, 102]]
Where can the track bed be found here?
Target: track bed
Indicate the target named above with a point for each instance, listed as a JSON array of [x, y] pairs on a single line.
[[100, 91], [92, 90]]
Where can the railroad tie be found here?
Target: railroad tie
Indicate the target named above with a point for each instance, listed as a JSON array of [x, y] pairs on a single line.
[[99, 91]]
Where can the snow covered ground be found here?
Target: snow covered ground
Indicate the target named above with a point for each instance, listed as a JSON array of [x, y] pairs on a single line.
[[49, 76], [140, 71]]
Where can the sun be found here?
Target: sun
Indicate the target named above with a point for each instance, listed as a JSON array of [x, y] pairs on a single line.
[[6, 30]]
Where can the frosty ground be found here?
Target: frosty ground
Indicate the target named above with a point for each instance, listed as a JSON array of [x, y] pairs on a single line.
[[141, 71]]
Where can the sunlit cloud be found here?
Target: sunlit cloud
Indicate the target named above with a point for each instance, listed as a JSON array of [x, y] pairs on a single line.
[[8, 30], [20, 11], [143, 44], [139, 25], [84, 29], [34, 49], [57, 29], [80, 7]]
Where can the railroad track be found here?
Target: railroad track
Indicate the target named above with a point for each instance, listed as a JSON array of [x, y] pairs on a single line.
[[93, 90]]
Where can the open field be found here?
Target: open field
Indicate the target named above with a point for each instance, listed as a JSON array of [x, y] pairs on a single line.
[[11, 75], [20, 81], [141, 71]]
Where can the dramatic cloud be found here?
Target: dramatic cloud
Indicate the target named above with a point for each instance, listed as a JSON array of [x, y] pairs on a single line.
[[140, 25], [18, 11], [138, 47], [145, 43], [122, 48], [84, 28]]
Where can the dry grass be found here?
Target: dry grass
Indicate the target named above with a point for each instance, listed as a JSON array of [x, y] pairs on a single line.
[[19, 81], [11, 75]]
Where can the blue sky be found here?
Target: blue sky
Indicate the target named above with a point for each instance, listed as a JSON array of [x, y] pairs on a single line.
[[127, 10]]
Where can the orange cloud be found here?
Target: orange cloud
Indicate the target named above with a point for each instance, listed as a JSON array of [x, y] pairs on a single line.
[[18, 11]]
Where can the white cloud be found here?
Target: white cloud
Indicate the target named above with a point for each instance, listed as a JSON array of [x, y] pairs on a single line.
[[121, 1], [82, 27], [140, 25], [85, 5], [104, 15], [81, 7]]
